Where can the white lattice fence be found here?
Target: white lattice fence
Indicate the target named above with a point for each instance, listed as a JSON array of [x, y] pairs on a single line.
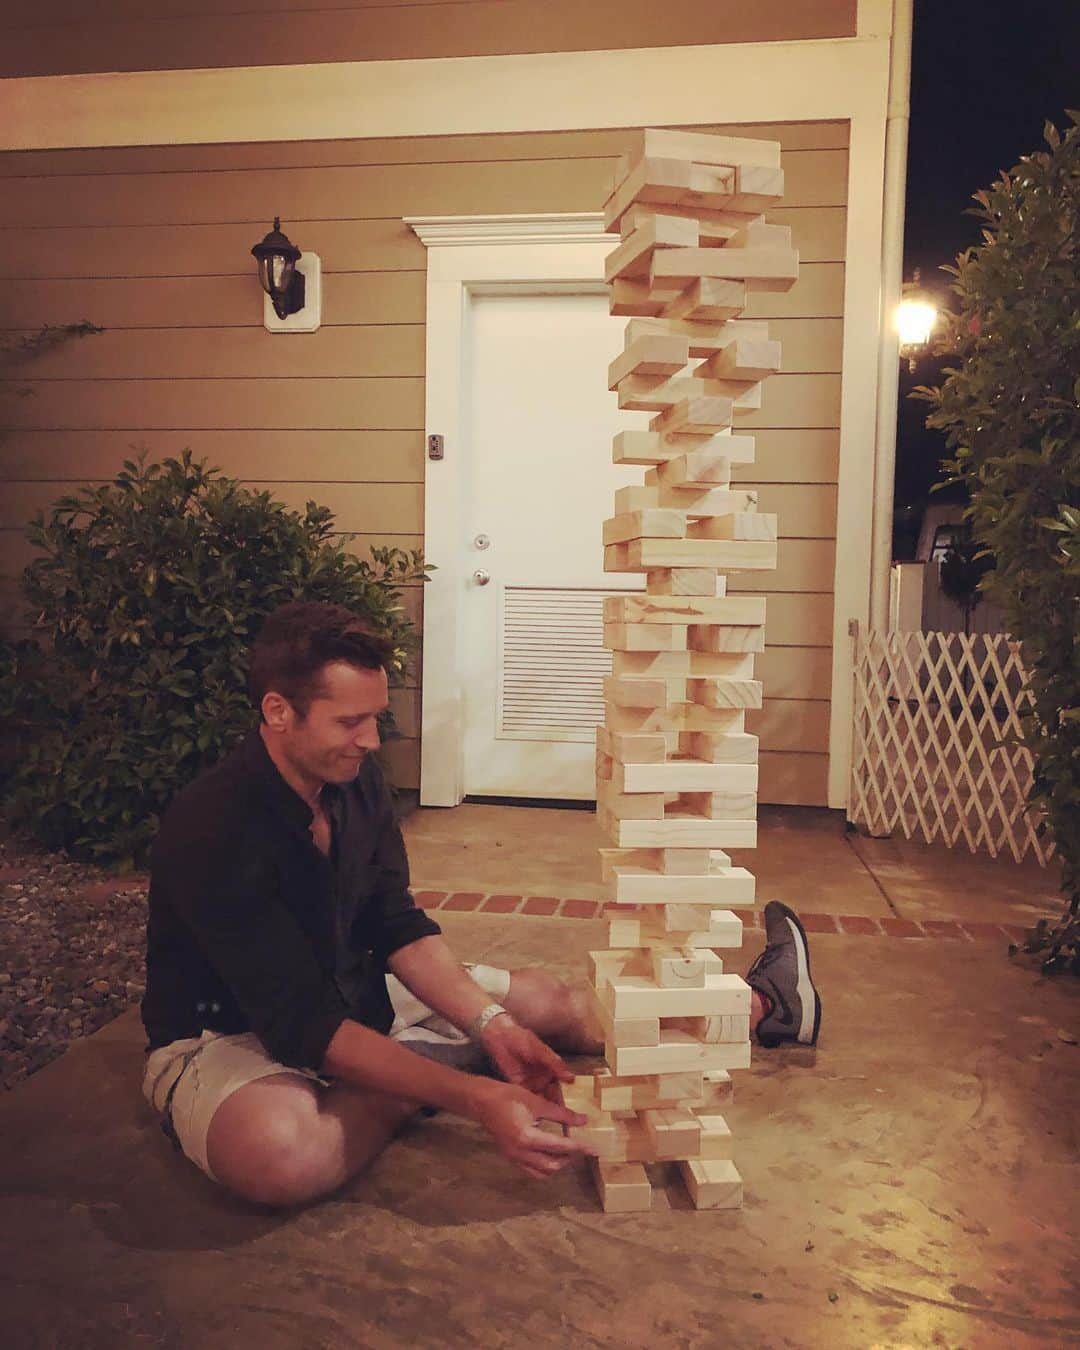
[[938, 745]]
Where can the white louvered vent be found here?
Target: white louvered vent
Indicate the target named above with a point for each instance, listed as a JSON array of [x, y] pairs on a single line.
[[551, 664]]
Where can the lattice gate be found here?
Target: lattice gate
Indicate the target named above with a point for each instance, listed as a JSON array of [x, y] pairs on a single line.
[[938, 746]]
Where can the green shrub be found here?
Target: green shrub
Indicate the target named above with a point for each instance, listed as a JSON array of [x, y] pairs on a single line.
[[1011, 411], [149, 592]]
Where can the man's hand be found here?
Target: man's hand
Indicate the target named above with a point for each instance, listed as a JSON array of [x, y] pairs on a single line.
[[510, 1114], [523, 1058]]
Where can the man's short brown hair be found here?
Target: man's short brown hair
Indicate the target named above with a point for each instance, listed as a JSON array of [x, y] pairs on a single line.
[[299, 640]]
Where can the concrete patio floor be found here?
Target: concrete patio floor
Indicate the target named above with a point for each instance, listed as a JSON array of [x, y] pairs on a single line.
[[910, 1183]]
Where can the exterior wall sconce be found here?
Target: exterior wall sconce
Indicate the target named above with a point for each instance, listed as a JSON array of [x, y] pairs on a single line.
[[916, 318], [292, 281]]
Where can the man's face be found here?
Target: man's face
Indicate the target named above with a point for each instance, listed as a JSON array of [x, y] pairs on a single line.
[[330, 743]]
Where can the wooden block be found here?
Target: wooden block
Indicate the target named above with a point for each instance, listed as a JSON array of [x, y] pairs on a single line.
[[676, 831], [715, 805], [691, 665], [769, 269], [735, 555], [716, 1138], [657, 355], [660, 180], [680, 774], [698, 471], [718, 927], [677, 970], [743, 359], [756, 525], [676, 1052], [701, 416], [706, 300], [719, 1029], [701, 503], [675, 1132], [682, 581], [622, 1031], [639, 749], [635, 996], [757, 234], [639, 886], [624, 1188], [638, 298], [704, 338], [643, 693], [632, 258], [678, 718], [630, 806], [717, 1087], [757, 188], [614, 1093], [704, 147], [657, 524], [635, 498], [599, 1132], [657, 393], [650, 447], [738, 610], [605, 965], [722, 693], [636, 636], [680, 862], [712, 1183], [725, 638]]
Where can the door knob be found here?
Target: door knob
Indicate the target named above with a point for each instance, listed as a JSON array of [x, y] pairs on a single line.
[[481, 577]]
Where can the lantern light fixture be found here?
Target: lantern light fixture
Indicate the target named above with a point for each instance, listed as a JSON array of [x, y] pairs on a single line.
[[916, 318], [292, 280]]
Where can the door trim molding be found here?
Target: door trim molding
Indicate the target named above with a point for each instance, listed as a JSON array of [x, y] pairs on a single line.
[[522, 255]]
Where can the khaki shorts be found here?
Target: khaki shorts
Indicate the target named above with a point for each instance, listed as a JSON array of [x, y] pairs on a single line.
[[186, 1081]]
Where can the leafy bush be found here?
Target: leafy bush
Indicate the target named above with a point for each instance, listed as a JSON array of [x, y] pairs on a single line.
[[1011, 411], [150, 591]]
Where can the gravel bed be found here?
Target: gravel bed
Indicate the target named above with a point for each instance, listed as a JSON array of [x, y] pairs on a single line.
[[72, 955]]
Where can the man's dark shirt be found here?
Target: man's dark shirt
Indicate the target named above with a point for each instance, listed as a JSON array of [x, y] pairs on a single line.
[[252, 928]]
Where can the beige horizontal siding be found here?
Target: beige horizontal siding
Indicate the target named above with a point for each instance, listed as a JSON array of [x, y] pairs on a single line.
[[161, 261], [109, 36]]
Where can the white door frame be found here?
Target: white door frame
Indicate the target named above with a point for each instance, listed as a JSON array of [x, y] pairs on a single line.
[[519, 255]]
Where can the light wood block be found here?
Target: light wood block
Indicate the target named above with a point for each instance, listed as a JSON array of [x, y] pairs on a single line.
[[635, 996], [630, 806], [639, 886], [756, 525], [706, 300], [652, 448], [633, 257], [691, 665], [709, 927], [732, 555], [636, 636], [676, 1052], [600, 1131], [657, 393], [639, 749], [758, 234], [757, 188], [640, 1093], [675, 1132], [761, 269], [699, 471], [624, 1031], [638, 298], [723, 693], [717, 1087], [635, 498], [725, 638], [703, 147], [652, 354], [700, 503], [677, 831], [644, 693], [734, 748], [720, 1029], [716, 1140], [662, 180], [655, 524], [682, 969], [743, 359], [680, 862], [684, 775], [682, 581], [712, 1183], [624, 1188], [703, 416], [704, 339], [716, 805], [736, 610], [680, 718]]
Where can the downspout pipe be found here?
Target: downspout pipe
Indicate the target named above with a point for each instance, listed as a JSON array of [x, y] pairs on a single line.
[[892, 265]]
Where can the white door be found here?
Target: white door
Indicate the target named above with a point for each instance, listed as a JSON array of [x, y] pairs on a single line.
[[540, 421]]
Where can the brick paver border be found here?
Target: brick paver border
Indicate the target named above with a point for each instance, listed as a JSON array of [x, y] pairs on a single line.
[[848, 925]]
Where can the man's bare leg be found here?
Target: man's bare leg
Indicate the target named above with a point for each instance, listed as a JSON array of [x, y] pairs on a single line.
[[284, 1140], [557, 1013]]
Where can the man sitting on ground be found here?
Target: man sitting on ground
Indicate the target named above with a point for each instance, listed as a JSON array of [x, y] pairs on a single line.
[[299, 1006]]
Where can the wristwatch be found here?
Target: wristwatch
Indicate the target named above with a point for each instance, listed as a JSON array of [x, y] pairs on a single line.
[[479, 1024]]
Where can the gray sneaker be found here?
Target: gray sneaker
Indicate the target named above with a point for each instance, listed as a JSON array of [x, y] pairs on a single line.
[[782, 974]]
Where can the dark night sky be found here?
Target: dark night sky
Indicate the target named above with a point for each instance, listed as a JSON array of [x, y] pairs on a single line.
[[984, 79]]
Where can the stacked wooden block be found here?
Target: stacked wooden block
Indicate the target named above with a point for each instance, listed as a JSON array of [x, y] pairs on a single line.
[[677, 772]]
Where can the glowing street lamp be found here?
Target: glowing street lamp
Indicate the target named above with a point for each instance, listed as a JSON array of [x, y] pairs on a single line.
[[916, 316]]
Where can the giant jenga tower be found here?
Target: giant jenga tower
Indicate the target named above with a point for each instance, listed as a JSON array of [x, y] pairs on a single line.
[[676, 770]]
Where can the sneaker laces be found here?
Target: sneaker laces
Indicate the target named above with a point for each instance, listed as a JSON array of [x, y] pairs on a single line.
[[764, 959]]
